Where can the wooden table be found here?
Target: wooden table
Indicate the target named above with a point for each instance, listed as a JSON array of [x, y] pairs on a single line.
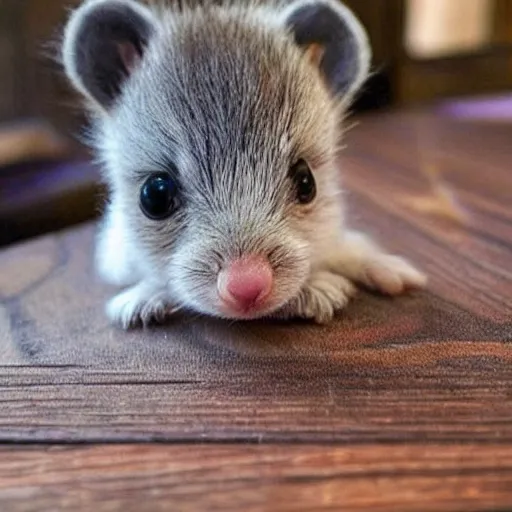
[[400, 404]]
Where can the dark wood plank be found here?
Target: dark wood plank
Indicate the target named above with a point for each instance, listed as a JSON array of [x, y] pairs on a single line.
[[434, 366], [425, 80], [254, 478]]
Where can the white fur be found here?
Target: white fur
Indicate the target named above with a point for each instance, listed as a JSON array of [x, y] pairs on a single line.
[[142, 303], [115, 252], [324, 294]]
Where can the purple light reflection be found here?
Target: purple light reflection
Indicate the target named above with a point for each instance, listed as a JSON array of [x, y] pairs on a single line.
[[495, 108]]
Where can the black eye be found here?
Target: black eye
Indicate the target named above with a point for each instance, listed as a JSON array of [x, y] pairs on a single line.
[[158, 196], [305, 185]]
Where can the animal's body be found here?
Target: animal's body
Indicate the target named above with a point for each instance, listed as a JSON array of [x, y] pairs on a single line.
[[218, 125]]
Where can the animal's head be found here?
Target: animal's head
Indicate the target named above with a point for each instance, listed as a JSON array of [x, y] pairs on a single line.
[[218, 126]]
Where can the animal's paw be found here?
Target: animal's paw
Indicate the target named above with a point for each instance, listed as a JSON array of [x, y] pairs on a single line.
[[364, 262], [324, 294], [139, 305], [391, 275]]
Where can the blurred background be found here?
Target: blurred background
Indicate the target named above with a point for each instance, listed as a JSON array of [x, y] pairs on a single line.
[[425, 51]]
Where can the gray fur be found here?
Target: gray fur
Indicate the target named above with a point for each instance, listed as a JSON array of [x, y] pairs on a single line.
[[224, 97]]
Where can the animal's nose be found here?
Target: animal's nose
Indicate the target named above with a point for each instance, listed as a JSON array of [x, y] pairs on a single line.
[[245, 283]]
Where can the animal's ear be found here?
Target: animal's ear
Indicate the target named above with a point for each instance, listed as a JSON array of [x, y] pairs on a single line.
[[104, 41], [334, 39]]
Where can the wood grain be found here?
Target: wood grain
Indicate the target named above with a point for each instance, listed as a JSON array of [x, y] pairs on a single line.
[[407, 400], [133, 478], [432, 366]]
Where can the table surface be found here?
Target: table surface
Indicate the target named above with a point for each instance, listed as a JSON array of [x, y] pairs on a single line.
[[400, 404]]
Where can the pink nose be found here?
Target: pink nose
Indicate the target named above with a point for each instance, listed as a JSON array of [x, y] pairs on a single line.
[[245, 283]]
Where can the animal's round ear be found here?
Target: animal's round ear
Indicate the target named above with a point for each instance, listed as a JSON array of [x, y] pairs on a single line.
[[334, 39], [104, 41]]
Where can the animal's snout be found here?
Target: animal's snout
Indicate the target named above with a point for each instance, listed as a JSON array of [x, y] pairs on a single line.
[[246, 283]]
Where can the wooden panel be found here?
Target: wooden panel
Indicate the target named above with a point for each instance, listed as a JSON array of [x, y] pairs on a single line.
[[46, 92], [502, 30], [10, 56], [31, 83], [480, 73], [433, 366], [277, 478], [384, 22]]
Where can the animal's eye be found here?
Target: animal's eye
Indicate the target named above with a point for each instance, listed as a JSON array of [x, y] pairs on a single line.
[[304, 180], [159, 196]]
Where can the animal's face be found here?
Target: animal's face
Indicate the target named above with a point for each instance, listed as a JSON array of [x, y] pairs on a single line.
[[220, 149]]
